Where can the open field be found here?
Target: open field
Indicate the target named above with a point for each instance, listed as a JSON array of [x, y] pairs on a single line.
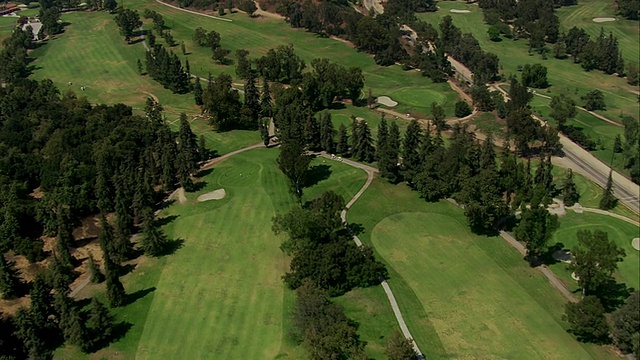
[[489, 123], [222, 293], [564, 76], [619, 231], [463, 295], [414, 92]]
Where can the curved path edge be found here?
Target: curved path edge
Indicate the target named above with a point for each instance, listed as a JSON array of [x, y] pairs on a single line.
[[192, 12], [371, 171]]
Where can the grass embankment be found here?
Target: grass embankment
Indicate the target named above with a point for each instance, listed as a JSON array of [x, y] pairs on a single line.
[[221, 295], [619, 231], [463, 295], [564, 76]]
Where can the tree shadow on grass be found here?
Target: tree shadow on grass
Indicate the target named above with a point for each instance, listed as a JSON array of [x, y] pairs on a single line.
[[613, 294], [205, 172], [118, 331], [197, 186], [548, 258], [317, 173], [355, 229], [137, 295], [172, 246], [166, 220], [166, 204]]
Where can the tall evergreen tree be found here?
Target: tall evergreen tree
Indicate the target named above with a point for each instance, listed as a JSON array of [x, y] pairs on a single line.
[[410, 150], [251, 107], [312, 133], [100, 323], [153, 239], [363, 149], [326, 133], [438, 116], [387, 156], [198, 92], [265, 101], [203, 152], [64, 239], [342, 146], [608, 200], [569, 191], [94, 272], [536, 228], [115, 291], [70, 322], [383, 138], [107, 240], [9, 280], [188, 145]]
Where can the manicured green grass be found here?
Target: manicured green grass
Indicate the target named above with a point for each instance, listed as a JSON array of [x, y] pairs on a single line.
[[7, 24], [463, 295], [221, 295], [412, 91], [489, 123], [619, 231], [564, 76]]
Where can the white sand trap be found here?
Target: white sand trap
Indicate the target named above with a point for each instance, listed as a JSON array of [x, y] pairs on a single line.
[[636, 243], [386, 101], [603, 19], [458, 11], [214, 195], [575, 277]]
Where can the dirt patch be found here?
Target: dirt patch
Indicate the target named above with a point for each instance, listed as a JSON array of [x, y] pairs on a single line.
[[635, 243], [603, 19], [386, 101], [182, 199], [214, 195], [458, 11], [155, 98]]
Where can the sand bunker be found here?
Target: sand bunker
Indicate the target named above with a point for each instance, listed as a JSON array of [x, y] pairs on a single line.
[[603, 19], [458, 11], [214, 195], [636, 243], [575, 276], [386, 101]]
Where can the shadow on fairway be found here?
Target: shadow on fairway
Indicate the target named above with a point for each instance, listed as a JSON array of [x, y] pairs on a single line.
[[135, 296], [198, 186], [317, 173], [166, 220], [172, 246]]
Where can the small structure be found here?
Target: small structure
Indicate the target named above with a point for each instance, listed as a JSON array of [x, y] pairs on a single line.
[[8, 9]]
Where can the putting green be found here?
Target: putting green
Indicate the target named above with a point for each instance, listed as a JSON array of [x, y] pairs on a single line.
[[479, 308], [619, 231]]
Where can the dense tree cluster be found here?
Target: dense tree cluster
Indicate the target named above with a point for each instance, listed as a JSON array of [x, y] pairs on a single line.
[[128, 22], [13, 55], [535, 76], [322, 326], [602, 53], [631, 146], [280, 65], [629, 9], [402, 7], [322, 248], [166, 68], [466, 49]]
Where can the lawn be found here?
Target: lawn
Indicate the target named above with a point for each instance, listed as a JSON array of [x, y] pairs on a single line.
[[488, 123], [564, 76], [221, 295], [467, 296], [619, 231]]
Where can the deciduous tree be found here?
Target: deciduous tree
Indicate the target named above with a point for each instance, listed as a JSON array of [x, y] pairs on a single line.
[[595, 259]]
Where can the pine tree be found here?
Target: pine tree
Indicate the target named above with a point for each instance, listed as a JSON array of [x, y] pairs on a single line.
[[106, 239], [264, 132], [198, 92], [153, 239], [382, 142], [30, 334], [342, 147], [100, 323], [251, 102], [438, 116], [187, 144], [363, 149], [62, 276], [64, 239], [70, 321], [608, 200], [410, 150], [569, 192], [203, 152], [9, 280], [41, 300], [115, 291], [488, 155], [312, 133], [94, 272], [265, 101], [326, 133]]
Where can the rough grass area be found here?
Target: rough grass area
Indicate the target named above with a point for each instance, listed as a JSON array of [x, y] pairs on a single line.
[[619, 231], [221, 295], [463, 295], [564, 76], [488, 123]]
